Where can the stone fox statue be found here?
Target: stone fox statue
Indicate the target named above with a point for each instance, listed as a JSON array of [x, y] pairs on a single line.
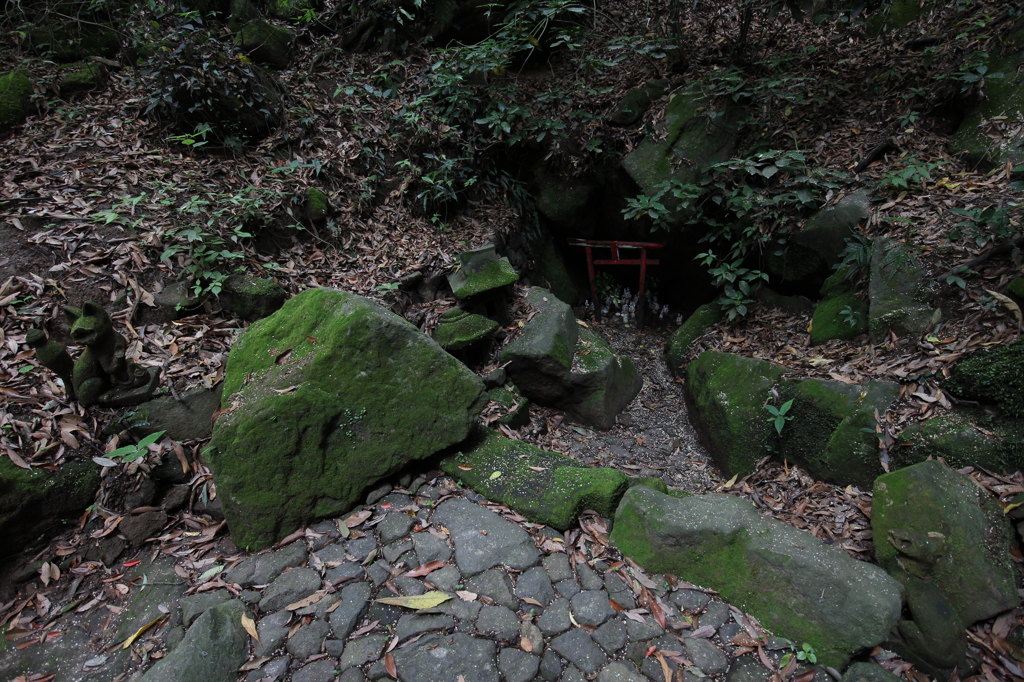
[[102, 374]]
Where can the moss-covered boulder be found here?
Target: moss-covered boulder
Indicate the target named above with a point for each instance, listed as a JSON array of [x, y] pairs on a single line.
[[74, 41], [939, 526], [693, 136], [290, 10], [796, 586], [688, 332], [252, 298], [726, 395], [82, 77], [266, 43], [831, 428], [323, 399], [630, 109], [550, 271], [481, 272], [15, 94], [565, 201], [812, 251], [1003, 97], [556, 363], [37, 502], [955, 438], [898, 298], [459, 329], [994, 377], [241, 13], [842, 317], [545, 487], [316, 207]]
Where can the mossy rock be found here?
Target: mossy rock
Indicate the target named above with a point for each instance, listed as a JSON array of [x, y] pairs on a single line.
[[316, 207], [490, 276], [1016, 289], [242, 12], [897, 294], [794, 262], [549, 271], [36, 502], [1003, 97], [15, 94], [831, 430], [954, 437], [74, 42], [563, 201], [969, 560], [994, 377], [832, 319], [839, 282], [726, 395], [459, 329], [322, 400], [693, 139], [792, 583], [827, 231], [84, 77], [554, 496], [289, 10], [266, 43], [689, 331], [517, 408], [548, 339], [631, 108], [252, 298]]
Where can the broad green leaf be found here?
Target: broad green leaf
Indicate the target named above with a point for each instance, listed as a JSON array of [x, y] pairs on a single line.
[[151, 438]]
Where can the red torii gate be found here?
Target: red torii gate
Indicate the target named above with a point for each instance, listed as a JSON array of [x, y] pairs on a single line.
[[643, 261]]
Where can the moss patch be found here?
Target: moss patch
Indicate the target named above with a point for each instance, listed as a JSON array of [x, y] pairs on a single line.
[[688, 332], [992, 376], [832, 318], [266, 43], [15, 91], [545, 487], [459, 329], [493, 275]]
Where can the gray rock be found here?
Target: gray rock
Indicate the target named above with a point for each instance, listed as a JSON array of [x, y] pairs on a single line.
[[557, 566], [689, 601], [197, 604], [370, 373], [638, 632], [352, 675], [589, 579], [409, 586], [446, 579], [360, 548], [446, 657], [611, 636], [535, 584], [290, 587], [617, 671], [262, 568], [498, 621], [591, 607], [394, 551], [505, 543], [727, 632], [137, 528], [497, 585], [332, 554], [412, 624], [749, 669], [213, 649], [344, 572], [868, 672], [897, 292], [362, 650], [532, 633], [375, 495], [845, 605], [567, 588], [323, 670], [715, 614], [308, 640], [272, 630], [516, 665], [272, 671], [705, 655], [354, 600], [394, 526], [462, 610], [573, 674], [430, 548], [378, 573], [618, 590], [578, 648], [555, 619], [386, 614], [185, 419], [550, 666]]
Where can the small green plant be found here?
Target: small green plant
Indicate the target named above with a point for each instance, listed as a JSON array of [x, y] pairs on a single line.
[[855, 258], [779, 415], [805, 654], [197, 138], [130, 453], [914, 172], [849, 316], [736, 282]]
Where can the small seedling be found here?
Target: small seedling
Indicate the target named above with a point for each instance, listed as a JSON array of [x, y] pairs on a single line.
[[130, 453], [806, 654], [778, 415], [849, 315]]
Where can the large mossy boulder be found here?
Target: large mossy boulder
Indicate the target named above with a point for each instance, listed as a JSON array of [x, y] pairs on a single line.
[[955, 438], [545, 487], [689, 331], [898, 299], [693, 136], [15, 99], [994, 377], [1004, 96], [252, 298], [726, 395], [323, 399], [941, 527], [37, 502], [74, 41], [794, 584], [266, 43], [814, 249], [831, 430], [843, 317], [594, 389]]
